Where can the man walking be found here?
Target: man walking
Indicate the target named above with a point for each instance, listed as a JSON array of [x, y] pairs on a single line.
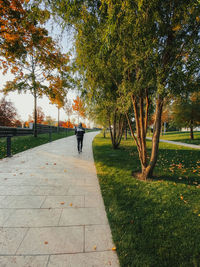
[[79, 132]]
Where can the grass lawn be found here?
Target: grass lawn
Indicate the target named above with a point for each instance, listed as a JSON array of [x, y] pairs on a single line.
[[154, 223], [21, 143], [183, 137]]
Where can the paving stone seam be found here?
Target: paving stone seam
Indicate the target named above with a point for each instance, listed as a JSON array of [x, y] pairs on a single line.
[[60, 226], [84, 239], [60, 217], [22, 240], [53, 254], [48, 261]]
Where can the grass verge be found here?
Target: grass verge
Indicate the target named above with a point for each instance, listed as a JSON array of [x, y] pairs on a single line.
[[154, 223], [22, 143], [183, 137]]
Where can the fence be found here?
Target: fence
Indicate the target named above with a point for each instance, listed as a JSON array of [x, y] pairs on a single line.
[[9, 132]]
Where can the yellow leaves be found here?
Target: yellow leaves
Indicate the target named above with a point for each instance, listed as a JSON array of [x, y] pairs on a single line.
[[114, 248], [176, 28], [65, 170], [181, 197], [198, 19], [95, 247], [71, 204]]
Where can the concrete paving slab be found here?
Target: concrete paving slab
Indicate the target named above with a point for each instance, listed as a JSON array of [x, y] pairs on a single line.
[[63, 202], [23, 261], [83, 190], [49, 190], [14, 190], [92, 201], [93, 259], [83, 216], [33, 218], [98, 238], [22, 202], [52, 240], [10, 239], [4, 215]]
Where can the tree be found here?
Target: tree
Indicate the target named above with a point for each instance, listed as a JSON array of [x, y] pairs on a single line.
[[40, 115], [68, 108], [186, 112], [147, 43], [78, 107], [49, 121], [38, 69], [8, 113], [17, 24]]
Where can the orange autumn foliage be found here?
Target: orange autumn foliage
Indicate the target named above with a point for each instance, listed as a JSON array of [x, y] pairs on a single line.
[[78, 106]]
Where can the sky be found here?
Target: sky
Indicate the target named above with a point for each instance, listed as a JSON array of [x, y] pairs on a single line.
[[24, 103]]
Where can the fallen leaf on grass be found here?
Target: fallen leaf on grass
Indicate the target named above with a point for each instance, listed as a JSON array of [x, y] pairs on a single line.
[[181, 197]]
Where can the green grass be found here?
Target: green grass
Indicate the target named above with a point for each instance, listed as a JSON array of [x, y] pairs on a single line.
[[183, 137], [154, 223], [22, 143]]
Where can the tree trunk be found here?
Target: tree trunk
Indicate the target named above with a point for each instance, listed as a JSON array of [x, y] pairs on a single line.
[[35, 113], [191, 132], [148, 171], [125, 131], [141, 118], [104, 133], [58, 119]]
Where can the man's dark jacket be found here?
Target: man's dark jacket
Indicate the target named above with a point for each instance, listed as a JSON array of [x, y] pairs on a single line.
[[79, 132]]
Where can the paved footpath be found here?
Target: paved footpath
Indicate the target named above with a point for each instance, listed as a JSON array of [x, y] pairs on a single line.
[[51, 210]]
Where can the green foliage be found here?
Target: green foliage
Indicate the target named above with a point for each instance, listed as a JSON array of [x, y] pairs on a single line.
[[153, 223], [186, 111]]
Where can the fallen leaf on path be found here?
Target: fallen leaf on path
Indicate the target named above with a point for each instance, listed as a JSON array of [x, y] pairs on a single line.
[[54, 164], [95, 247], [46, 243], [65, 170], [70, 204], [62, 203], [114, 248]]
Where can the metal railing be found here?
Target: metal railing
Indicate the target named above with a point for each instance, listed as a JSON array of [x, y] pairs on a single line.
[[9, 132]]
